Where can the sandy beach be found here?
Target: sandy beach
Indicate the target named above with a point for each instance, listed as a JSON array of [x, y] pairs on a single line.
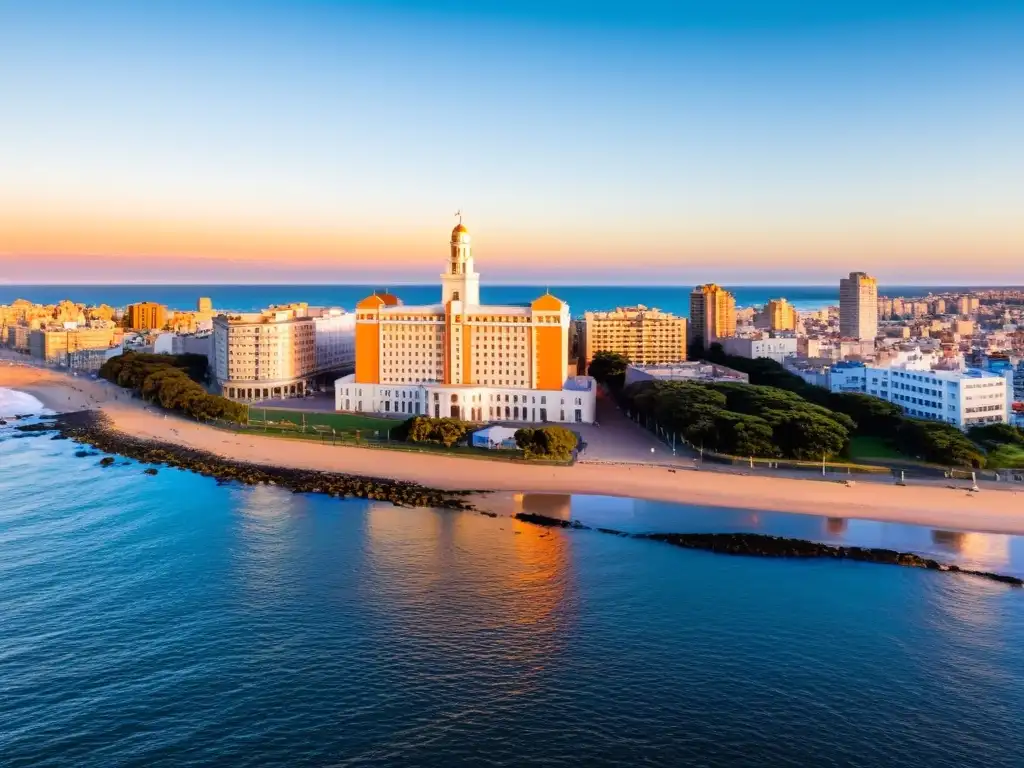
[[992, 510]]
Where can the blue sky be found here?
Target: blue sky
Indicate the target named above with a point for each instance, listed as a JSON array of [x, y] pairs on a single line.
[[687, 141]]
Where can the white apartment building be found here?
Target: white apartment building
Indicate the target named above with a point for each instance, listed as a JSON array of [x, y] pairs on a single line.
[[335, 331], [777, 349], [264, 355], [964, 398], [858, 307]]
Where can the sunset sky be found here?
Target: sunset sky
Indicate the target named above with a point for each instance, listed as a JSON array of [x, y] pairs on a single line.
[[686, 141]]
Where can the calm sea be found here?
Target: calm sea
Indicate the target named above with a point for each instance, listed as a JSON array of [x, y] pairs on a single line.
[[171, 621], [245, 298]]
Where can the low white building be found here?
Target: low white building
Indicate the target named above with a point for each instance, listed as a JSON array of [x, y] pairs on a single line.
[[690, 371], [964, 398], [778, 348], [575, 403], [335, 331]]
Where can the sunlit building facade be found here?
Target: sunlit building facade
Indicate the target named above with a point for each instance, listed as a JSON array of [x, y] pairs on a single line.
[[463, 359], [643, 335], [712, 314]]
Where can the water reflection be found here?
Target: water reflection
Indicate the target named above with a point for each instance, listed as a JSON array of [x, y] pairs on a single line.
[[980, 551], [975, 549], [457, 579], [836, 526]]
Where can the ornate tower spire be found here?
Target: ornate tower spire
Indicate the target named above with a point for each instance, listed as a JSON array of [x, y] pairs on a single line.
[[460, 282]]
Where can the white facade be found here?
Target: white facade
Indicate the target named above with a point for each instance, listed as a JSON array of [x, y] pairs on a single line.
[[574, 404], [964, 398], [335, 333], [777, 349]]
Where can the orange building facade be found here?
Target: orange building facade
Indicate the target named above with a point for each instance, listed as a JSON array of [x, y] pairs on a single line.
[[460, 358]]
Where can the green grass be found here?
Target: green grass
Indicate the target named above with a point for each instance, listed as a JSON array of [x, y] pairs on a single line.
[[863, 447], [1006, 457], [342, 423]]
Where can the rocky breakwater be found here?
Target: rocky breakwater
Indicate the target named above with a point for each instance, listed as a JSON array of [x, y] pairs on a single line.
[[95, 429], [760, 545]]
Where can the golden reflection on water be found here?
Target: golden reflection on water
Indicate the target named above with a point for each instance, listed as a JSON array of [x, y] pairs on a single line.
[[979, 551], [499, 577]]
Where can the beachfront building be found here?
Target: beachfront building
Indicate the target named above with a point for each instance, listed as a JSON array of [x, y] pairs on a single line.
[[281, 352], [642, 335], [712, 314], [80, 347], [463, 359], [263, 355], [858, 307], [146, 316]]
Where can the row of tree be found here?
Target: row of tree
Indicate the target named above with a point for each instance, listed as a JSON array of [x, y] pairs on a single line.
[[742, 420], [172, 381], [778, 414]]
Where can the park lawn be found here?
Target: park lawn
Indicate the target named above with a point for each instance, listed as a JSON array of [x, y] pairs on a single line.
[[1005, 457], [863, 447], [342, 423]]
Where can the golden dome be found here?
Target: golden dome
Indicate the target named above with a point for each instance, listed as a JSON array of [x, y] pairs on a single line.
[[460, 229]]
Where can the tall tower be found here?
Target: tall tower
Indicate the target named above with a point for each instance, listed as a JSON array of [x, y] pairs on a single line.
[[858, 307], [712, 314], [460, 282]]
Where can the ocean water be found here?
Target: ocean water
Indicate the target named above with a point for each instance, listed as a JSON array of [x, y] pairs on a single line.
[[245, 298], [171, 621]]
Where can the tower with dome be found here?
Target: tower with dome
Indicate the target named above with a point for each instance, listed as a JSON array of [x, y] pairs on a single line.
[[463, 359]]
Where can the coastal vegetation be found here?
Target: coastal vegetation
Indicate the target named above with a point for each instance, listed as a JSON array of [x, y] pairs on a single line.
[[552, 442], [424, 429], [778, 414], [172, 381]]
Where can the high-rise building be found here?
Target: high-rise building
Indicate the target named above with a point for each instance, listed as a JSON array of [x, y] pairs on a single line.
[[204, 305], [645, 336], [264, 355], [967, 305], [780, 315], [463, 359], [712, 314], [858, 307], [147, 316]]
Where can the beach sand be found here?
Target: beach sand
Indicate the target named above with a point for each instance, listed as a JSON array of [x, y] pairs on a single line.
[[991, 510]]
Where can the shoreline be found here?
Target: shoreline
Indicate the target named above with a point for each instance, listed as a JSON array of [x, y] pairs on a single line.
[[991, 511]]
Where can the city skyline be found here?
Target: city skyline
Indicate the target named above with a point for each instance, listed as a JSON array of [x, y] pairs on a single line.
[[732, 142]]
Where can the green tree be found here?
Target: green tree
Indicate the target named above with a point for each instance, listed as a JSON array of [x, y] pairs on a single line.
[[609, 369]]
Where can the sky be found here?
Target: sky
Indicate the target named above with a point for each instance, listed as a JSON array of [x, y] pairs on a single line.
[[742, 142]]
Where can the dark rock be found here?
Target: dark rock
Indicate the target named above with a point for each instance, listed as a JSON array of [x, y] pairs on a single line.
[[35, 427], [107, 461], [149, 471], [58, 437], [93, 428], [488, 514], [3, 422], [83, 453], [760, 545]]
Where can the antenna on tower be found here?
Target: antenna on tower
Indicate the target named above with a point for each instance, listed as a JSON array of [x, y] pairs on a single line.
[[459, 214]]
